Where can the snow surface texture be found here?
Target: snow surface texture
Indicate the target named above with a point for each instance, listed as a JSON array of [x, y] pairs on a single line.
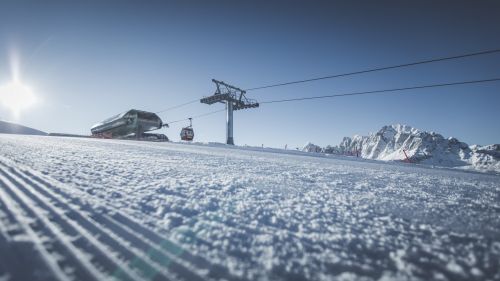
[[92, 209], [391, 143]]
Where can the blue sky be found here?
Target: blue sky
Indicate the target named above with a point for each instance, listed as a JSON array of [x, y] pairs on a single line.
[[88, 60]]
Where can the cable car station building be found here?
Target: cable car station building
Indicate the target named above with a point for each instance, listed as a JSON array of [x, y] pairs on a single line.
[[132, 124]]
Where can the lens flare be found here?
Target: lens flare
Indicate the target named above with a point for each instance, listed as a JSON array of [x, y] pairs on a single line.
[[14, 65], [16, 97]]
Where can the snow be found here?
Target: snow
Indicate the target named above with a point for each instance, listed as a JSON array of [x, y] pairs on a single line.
[[12, 128], [310, 147], [391, 143], [92, 209]]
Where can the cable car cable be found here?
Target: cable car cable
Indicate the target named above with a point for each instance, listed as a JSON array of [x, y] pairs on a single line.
[[349, 74], [196, 116], [385, 90], [353, 94], [376, 69], [177, 106]]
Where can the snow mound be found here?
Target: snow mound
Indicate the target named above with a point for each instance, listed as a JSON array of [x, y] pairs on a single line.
[[12, 128], [310, 147], [396, 142]]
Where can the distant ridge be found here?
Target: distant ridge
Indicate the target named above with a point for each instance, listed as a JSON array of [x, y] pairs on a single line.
[[12, 128], [405, 143]]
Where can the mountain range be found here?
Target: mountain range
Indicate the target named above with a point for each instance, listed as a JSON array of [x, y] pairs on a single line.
[[405, 143]]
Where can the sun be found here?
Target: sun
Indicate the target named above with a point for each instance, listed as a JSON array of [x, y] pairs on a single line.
[[17, 97]]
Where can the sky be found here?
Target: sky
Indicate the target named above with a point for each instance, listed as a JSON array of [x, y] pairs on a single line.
[[85, 61]]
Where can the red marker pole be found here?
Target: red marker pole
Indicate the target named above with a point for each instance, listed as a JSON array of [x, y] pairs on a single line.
[[407, 159]]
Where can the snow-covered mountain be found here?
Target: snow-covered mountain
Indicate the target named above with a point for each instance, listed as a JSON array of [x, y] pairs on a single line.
[[12, 128], [392, 142]]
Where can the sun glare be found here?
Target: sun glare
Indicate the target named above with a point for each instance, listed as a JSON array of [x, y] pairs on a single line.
[[16, 97]]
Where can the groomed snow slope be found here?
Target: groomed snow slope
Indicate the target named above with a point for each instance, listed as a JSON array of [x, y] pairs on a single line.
[[104, 209]]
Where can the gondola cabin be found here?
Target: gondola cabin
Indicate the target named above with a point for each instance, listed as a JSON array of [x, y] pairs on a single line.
[[187, 133]]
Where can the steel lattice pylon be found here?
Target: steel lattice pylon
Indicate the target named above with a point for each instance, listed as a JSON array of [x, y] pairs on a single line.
[[234, 98]]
